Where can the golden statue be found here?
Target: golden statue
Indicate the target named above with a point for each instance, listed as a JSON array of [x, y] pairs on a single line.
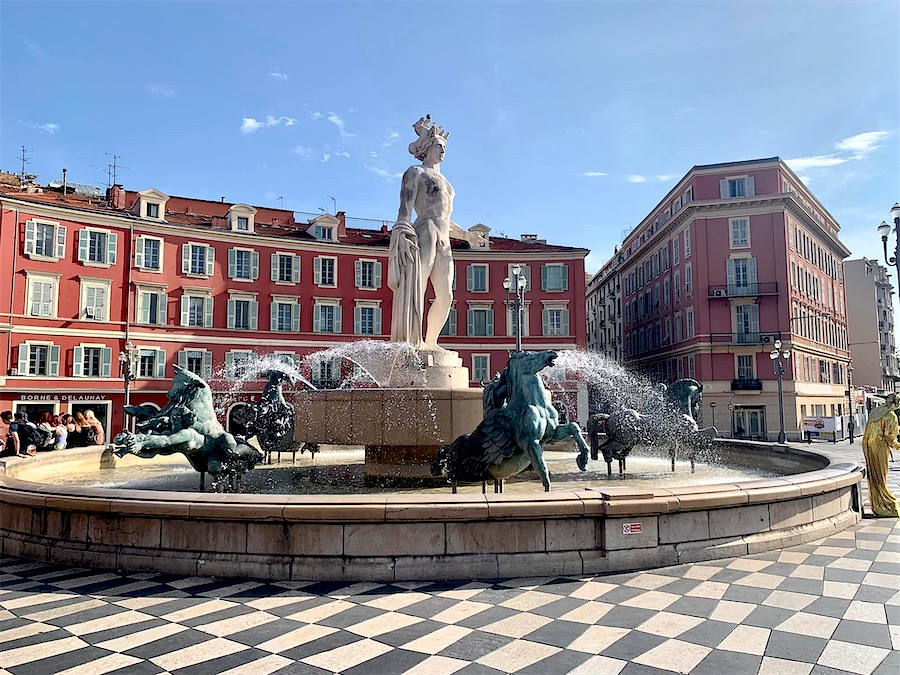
[[879, 438]]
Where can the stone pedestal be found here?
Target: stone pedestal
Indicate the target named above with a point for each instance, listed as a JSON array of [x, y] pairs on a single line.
[[438, 369]]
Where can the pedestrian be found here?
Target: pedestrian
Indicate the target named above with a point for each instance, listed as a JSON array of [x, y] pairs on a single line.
[[99, 435], [86, 435], [76, 435], [11, 444], [48, 431], [60, 433], [27, 432]]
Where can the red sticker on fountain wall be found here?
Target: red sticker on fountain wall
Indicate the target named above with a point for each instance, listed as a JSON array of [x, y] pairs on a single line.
[[632, 528]]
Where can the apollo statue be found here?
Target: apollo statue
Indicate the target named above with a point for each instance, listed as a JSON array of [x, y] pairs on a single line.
[[420, 249]]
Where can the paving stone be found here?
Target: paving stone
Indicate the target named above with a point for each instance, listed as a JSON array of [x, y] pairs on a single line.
[[720, 661], [863, 633], [794, 647]]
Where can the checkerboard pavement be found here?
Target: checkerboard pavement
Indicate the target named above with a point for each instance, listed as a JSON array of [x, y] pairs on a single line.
[[823, 608]]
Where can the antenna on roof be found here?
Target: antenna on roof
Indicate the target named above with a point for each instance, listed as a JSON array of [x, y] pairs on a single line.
[[281, 201], [24, 162], [112, 171], [333, 202]]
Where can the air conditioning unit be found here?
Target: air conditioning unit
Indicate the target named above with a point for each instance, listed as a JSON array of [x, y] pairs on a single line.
[[766, 339], [719, 293], [13, 372]]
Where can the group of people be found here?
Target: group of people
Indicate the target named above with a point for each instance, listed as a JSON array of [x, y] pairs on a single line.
[[24, 438]]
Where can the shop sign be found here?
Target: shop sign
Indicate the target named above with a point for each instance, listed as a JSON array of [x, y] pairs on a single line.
[[822, 424], [632, 528], [63, 397]]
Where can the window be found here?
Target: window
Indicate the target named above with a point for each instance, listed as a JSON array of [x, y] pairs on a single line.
[[677, 283], [745, 367], [237, 364], [687, 243], [326, 317], [285, 268], [477, 278], [152, 307], [243, 264], [747, 323], [480, 321], [525, 271], [242, 313], [152, 210], [324, 233], [367, 320], [45, 239], [736, 188], [325, 271], [688, 279], [326, 373], [197, 310], [676, 250], [732, 188], [741, 276], [692, 369], [39, 359], [511, 319], [555, 278], [481, 367], [285, 315], [94, 301], [667, 291], [148, 253], [243, 223], [198, 259], [450, 324], [151, 363], [41, 294], [556, 321], [740, 232], [198, 361], [97, 247], [367, 273], [92, 361]]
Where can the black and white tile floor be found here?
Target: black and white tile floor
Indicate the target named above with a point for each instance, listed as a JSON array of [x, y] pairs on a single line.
[[823, 608]]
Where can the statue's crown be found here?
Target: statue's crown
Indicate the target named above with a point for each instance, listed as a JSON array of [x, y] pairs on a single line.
[[425, 128]]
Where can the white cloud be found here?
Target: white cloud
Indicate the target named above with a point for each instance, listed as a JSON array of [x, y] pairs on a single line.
[[278, 121], [635, 178], [815, 162], [49, 127], [163, 90], [374, 154], [391, 137], [341, 153], [593, 174], [38, 52], [278, 75], [383, 173], [663, 177], [863, 143], [805, 179], [303, 151], [336, 120], [316, 115], [325, 157], [250, 125]]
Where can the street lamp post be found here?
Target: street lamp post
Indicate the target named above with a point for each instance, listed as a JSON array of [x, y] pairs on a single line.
[[127, 369], [778, 357], [850, 424], [884, 230], [516, 285]]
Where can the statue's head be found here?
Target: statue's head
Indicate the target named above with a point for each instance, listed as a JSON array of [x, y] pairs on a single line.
[[432, 142], [530, 363]]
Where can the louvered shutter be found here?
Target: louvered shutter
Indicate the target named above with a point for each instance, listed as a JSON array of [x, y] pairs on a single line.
[[60, 241], [30, 237], [229, 364], [357, 273], [377, 321], [182, 359], [208, 314], [84, 240], [565, 322], [77, 361], [210, 260], [274, 267], [754, 318], [231, 313], [729, 275], [752, 270], [357, 319], [543, 277], [564, 273], [139, 252], [750, 184], [317, 271], [160, 363], [723, 189], [295, 269], [185, 310], [273, 316], [254, 315], [545, 321], [470, 322], [144, 308], [112, 240], [105, 362], [377, 275], [185, 258], [162, 309], [452, 320], [337, 319], [470, 278], [490, 322], [207, 365], [254, 265], [317, 318], [232, 265], [295, 317], [24, 353], [53, 366]]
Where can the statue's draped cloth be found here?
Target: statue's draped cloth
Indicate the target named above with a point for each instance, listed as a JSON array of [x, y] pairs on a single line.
[[405, 280], [878, 439]]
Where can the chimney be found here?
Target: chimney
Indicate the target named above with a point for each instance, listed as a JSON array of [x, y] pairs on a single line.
[[116, 196], [342, 224], [65, 184], [223, 200]]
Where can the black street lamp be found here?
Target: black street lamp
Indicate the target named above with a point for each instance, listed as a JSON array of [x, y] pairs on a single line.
[[850, 424], [778, 358], [127, 371], [884, 230], [517, 286]]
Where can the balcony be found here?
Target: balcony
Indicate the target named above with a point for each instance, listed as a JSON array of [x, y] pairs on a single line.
[[744, 338], [746, 384], [743, 291]]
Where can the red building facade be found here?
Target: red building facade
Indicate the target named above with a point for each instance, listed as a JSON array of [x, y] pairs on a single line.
[[204, 284]]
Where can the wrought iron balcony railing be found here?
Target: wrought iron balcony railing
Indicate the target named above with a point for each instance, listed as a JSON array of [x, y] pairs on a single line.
[[743, 290], [746, 384]]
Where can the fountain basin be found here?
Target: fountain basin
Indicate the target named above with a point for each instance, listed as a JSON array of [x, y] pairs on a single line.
[[394, 537]]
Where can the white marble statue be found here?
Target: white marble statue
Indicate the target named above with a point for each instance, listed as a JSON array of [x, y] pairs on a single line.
[[420, 248]]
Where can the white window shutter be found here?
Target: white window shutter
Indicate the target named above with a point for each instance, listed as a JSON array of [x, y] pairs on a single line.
[[356, 315], [377, 321], [231, 313], [84, 239], [60, 241], [750, 184], [254, 265], [317, 318], [185, 258], [752, 270], [162, 308], [53, 366], [210, 260], [273, 268], [182, 359], [295, 269], [160, 363], [754, 318], [378, 275], [24, 353], [490, 322], [723, 189], [295, 317], [144, 308], [111, 248], [337, 319], [185, 309], [273, 316], [207, 365], [232, 265], [565, 322], [208, 313], [106, 362], [729, 273], [470, 278], [317, 271], [30, 236], [254, 315], [357, 274], [139, 252], [77, 361]]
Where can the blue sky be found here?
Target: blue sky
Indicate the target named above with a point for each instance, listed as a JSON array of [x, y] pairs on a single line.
[[569, 120]]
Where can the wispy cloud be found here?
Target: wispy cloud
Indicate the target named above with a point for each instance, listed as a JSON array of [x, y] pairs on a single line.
[[163, 90], [341, 153], [337, 121], [383, 173], [681, 112], [374, 154], [316, 115], [325, 157], [278, 75], [805, 179], [635, 178], [38, 52], [850, 148], [251, 124], [594, 174], [663, 177], [48, 127], [390, 138], [304, 152]]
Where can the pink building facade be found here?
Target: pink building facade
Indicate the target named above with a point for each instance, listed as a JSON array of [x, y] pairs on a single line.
[[736, 257]]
